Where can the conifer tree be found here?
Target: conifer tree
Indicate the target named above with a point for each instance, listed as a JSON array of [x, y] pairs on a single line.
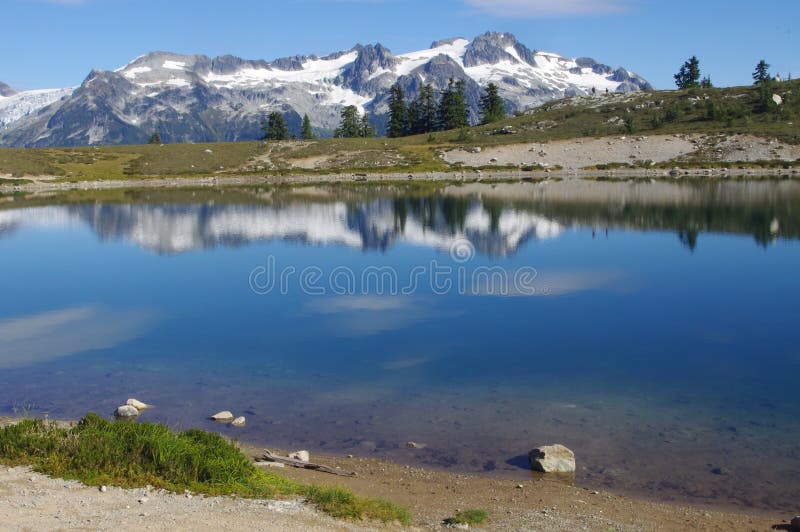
[[706, 83], [306, 132], [275, 127], [398, 113], [424, 112], [761, 73], [349, 127], [413, 118], [453, 112], [365, 129], [492, 108], [689, 74]]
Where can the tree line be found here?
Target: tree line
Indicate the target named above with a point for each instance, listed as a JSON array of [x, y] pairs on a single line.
[[688, 78], [276, 128], [429, 113], [425, 114]]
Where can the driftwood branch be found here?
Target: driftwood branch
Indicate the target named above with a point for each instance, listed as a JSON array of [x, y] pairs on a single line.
[[269, 456]]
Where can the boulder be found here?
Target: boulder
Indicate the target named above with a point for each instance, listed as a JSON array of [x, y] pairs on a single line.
[[303, 456], [138, 405], [552, 459], [795, 523], [223, 416], [126, 412], [239, 422]]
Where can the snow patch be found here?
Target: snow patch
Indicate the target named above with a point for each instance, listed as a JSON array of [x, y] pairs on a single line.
[[411, 61], [174, 65], [177, 82], [133, 72], [313, 71]]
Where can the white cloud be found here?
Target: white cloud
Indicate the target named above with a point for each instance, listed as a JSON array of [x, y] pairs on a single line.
[[549, 8], [39, 338]]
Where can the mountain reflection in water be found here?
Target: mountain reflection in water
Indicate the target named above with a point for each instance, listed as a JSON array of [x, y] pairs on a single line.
[[496, 219]]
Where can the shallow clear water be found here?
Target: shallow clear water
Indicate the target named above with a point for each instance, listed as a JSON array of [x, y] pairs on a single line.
[[652, 328]]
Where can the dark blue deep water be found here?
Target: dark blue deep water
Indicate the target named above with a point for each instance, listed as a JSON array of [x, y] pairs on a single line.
[[653, 328]]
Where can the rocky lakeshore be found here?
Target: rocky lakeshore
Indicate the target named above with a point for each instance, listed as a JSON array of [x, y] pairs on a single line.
[[659, 157], [34, 501]]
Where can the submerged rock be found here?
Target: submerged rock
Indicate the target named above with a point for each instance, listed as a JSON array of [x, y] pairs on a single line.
[[138, 405], [552, 459], [239, 422], [223, 416], [126, 412], [303, 456]]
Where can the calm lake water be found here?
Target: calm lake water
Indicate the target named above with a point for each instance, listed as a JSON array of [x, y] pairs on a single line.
[[652, 328]]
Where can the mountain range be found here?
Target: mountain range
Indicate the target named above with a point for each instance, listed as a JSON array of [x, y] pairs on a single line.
[[373, 225], [195, 98]]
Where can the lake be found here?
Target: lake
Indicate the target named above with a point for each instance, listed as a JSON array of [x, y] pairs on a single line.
[[650, 327]]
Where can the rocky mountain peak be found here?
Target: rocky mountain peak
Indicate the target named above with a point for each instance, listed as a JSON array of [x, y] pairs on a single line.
[[494, 47], [370, 60], [6, 91], [446, 42]]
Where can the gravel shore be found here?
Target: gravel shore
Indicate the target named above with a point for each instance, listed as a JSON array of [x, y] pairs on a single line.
[[31, 501]]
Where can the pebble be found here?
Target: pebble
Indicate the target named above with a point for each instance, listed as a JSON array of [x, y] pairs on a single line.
[[103, 489], [143, 500]]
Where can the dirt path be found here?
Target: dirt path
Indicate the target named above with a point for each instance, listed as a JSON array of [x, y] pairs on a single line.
[[30, 501]]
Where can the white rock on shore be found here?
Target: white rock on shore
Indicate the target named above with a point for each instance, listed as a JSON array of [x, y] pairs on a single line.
[[552, 459], [303, 456], [225, 415]]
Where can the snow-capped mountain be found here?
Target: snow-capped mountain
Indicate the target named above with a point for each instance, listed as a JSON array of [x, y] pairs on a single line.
[[197, 98], [373, 225]]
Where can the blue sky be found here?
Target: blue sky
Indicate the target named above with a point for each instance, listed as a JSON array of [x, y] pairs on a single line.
[[55, 43]]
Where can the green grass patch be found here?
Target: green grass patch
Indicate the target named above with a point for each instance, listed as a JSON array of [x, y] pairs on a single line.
[[12, 181], [468, 517], [130, 455]]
